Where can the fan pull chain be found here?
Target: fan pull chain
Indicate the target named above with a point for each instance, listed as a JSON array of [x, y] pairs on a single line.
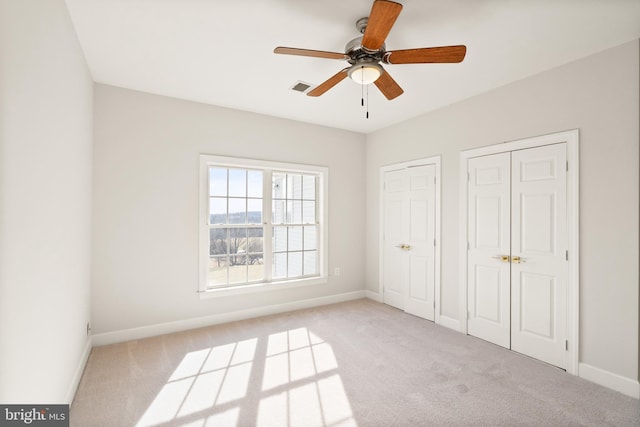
[[362, 96], [362, 90], [367, 101]]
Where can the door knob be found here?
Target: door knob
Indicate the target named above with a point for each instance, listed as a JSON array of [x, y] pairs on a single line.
[[404, 247], [503, 258], [517, 260]]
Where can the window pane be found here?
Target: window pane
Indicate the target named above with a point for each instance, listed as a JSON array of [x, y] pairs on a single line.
[[237, 211], [217, 210], [310, 263], [280, 265], [309, 187], [279, 182], [295, 238], [308, 212], [254, 187], [255, 269], [237, 183], [255, 243], [294, 186], [296, 212], [238, 269], [237, 242], [218, 182], [235, 260], [295, 264], [310, 238], [218, 241], [279, 212], [217, 271], [254, 211], [289, 214], [279, 239]]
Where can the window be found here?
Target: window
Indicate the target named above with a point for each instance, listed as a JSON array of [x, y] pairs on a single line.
[[262, 224]]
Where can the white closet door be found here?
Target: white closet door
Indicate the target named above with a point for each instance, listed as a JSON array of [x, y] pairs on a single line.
[[409, 240], [419, 298], [517, 262], [538, 252], [396, 234], [488, 269]]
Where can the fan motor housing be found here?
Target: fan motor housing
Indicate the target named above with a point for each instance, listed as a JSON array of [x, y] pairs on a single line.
[[357, 53]]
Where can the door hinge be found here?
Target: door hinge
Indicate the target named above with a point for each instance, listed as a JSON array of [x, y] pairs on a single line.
[[566, 255], [567, 166], [468, 176], [566, 345], [434, 243]]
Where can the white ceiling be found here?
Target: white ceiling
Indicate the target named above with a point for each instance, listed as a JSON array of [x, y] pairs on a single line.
[[221, 52]]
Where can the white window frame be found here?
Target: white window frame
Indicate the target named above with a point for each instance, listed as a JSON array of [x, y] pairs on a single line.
[[322, 172]]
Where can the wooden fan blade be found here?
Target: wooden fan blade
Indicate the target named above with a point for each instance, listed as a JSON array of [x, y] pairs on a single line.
[[309, 52], [382, 17], [388, 86], [328, 84], [444, 54]]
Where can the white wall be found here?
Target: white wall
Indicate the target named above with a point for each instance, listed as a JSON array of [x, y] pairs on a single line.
[[146, 154], [598, 95], [45, 200]]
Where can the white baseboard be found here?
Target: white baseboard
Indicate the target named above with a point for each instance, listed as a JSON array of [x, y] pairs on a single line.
[[375, 296], [215, 319], [610, 380], [77, 376], [449, 322]]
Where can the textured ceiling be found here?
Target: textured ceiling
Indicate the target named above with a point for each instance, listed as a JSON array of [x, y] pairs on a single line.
[[221, 52]]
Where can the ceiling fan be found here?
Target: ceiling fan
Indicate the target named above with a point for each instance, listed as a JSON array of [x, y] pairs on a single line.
[[366, 52]]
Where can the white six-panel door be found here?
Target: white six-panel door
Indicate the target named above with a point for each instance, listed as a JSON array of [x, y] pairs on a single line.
[[409, 240], [396, 233], [539, 265], [419, 298], [488, 280], [517, 268]]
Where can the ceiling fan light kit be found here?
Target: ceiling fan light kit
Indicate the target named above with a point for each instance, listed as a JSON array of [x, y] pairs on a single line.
[[365, 73], [365, 53]]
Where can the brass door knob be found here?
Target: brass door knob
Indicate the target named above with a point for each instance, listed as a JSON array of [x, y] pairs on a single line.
[[404, 247]]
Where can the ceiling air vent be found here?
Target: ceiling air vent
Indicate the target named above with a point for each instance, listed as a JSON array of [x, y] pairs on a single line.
[[301, 86]]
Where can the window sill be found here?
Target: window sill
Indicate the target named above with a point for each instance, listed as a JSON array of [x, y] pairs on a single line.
[[261, 287]]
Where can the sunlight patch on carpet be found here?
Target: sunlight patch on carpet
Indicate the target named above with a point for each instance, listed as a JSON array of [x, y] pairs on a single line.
[[298, 371]]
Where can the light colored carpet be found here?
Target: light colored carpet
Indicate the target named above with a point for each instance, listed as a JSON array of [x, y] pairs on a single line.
[[355, 363]]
